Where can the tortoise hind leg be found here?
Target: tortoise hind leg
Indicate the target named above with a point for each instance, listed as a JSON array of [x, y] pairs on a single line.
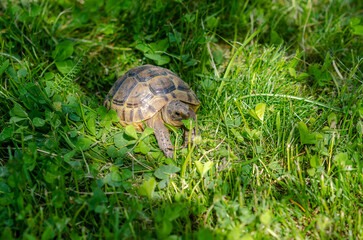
[[186, 137], [162, 135], [193, 131]]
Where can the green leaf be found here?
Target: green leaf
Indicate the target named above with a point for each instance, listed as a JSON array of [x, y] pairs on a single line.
[[147, 132], [311, 172], [107, 117], [122, 152], [69, 155], [91, 125], [73, 133], [6, 133], [208, 84], [38, 122], [341, 159], [358, 30], [112, 114], [189, 123], [18, 111], [65, 66], [315, 161], [16, 119], [130, 131], [4, 172], [212, 22], [83, 143], [266, 218], [302, 76], [292, 72], [306, 137], [275, 38], [164, 229], [143, 47], [259, 111], [49, 177], [203, 168], [207, 234], [157, 155], [142, 147], [163, 183], [158, 58], [102, 111], [48, 233], [126, 174], [93, 5], [49, 76], [112, 151], [107, 29], [200, 167], [11, 72], [35, 10], [360, 111], [147, 188], [98, 198], [161, 45], [115, 176], [62, 51], [237, 135], [29, 162], [22, 73], [119, 140], [165, 171], [74, 117], [354, 21], [109, 179], [359, 128], [175, 37], [189, 17]]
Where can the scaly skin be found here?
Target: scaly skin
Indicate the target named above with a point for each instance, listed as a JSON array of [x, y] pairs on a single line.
[[162, 134]]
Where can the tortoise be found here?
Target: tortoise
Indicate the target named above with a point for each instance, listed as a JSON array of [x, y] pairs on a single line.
[[150, 95]]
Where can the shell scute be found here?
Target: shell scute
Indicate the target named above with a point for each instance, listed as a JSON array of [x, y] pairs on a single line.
[[139, 96], [149, 73], [135, 71], [123, 91], [182, 86], [161, 85]]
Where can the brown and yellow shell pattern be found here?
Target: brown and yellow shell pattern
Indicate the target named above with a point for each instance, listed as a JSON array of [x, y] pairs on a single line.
[[143, 91]]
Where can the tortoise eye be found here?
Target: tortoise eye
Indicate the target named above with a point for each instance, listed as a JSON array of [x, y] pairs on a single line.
[[177, 113]]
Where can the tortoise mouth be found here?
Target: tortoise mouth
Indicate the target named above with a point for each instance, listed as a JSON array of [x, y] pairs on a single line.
[[175, 111], [167, 118]]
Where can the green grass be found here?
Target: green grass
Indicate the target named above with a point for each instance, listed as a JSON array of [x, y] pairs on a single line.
[[280, 153]]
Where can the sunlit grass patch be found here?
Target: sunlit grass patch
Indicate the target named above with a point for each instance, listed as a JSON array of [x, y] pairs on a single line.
[[279, 148]]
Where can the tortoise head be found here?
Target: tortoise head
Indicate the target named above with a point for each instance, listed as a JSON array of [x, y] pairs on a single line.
[[176, 111]]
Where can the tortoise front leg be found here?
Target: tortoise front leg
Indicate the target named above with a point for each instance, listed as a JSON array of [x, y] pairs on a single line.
[[162, 135]]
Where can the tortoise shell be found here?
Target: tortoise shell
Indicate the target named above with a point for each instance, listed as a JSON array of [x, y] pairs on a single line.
[[143, 91]]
